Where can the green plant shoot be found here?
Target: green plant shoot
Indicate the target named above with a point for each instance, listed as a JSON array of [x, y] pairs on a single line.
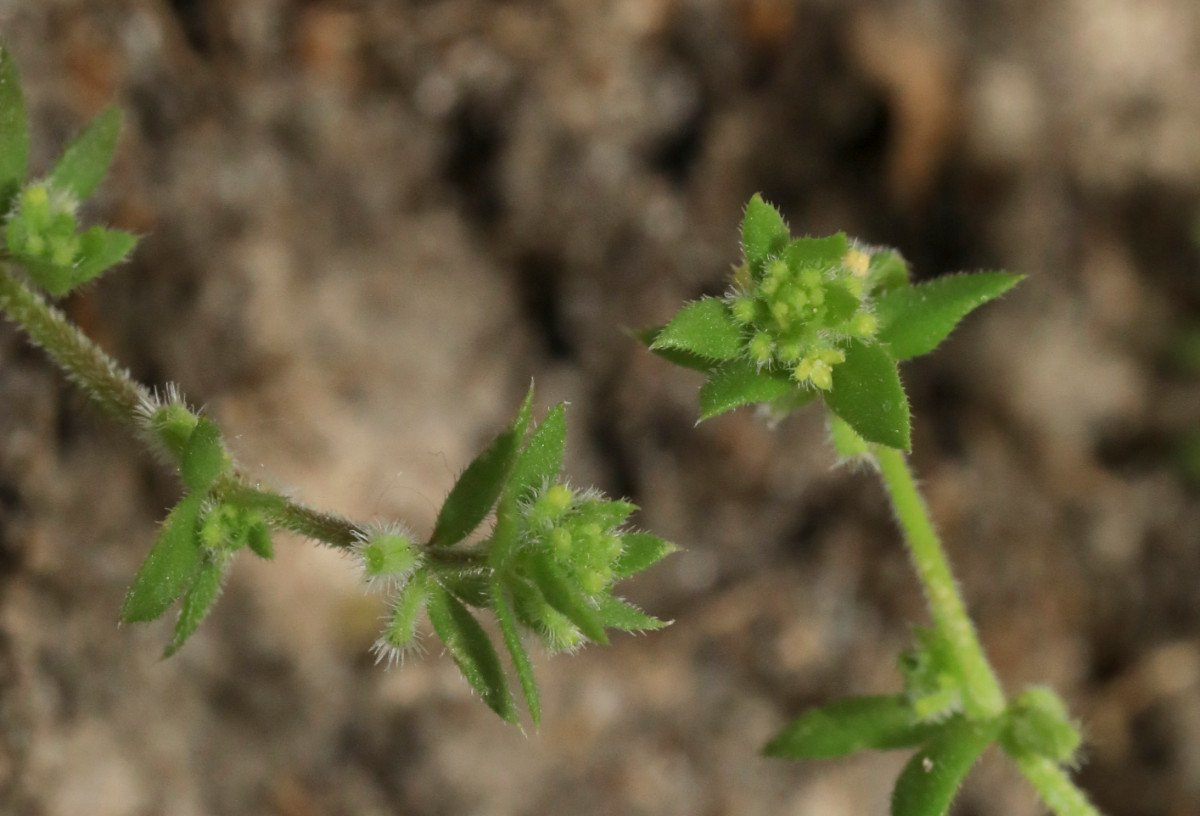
[[828, 320], [547, 569]]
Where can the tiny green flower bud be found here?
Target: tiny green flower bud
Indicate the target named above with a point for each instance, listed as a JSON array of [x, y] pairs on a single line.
[[744, 310], [782, 313], [551, 505], [822, 375], [388, 554], [594, 581], [791, 351], [831, 356], [560, 542], [173, 424], [864, 325], [761, 347], [811, 279], [857, 262], [854, 286], [35, 199]]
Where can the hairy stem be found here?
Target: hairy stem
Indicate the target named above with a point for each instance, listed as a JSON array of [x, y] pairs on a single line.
[[118, 395], [983, 697], [1055, 787], [108, 384]]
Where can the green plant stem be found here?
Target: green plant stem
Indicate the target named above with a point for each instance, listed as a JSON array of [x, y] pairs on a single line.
[[119, 396], [1055, 787], [983, 697], [109, 386]]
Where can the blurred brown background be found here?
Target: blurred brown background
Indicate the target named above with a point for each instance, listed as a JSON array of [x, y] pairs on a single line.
[[370, 224]]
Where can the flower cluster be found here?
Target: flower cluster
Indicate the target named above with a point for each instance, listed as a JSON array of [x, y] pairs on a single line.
[[547, 567], [818, 317], [803, 307]]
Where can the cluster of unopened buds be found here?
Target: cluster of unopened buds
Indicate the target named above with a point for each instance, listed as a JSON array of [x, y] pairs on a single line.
[[797, 315]]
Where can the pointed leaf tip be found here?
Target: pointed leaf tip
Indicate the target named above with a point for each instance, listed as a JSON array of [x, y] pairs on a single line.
[[542, 459], [14, 133], [476, 491], [86, 160], [473, 653], [169, 567], [764, 232], [516, 650], [867, 394], [914, 320], [197, 603], [704, 327], [738, 383]]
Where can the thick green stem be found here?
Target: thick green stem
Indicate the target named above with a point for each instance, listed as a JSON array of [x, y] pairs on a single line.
[[983, 697], [1055, 787]]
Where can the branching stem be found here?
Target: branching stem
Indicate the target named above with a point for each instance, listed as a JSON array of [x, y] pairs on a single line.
[[983, 697], [118, 395]]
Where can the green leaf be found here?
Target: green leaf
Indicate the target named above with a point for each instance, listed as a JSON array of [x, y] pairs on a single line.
[[867, 394], [932, 777], [85, 162], [564, 596], [879, 723], [516, 649], [504, 539], [542, 458], [639, 551], [476, 491], [473, 653], [169, 567], [887, 271], [915, 319], [203, 457], [847, 443], [99, 250], [764, 232], [258, 537], [618, 614], [816, 253], [738, 383], [606, 514], [197, 602], [14, 132], [56, 280], [679, 357], [469, 587], [704, 327], [554, 628], [524, 412]]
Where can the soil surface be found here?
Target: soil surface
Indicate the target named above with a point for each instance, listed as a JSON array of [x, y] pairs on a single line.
[[368, 225]]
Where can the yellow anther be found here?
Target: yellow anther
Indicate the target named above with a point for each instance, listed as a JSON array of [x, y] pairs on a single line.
[[822, 375], [857, 262]]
